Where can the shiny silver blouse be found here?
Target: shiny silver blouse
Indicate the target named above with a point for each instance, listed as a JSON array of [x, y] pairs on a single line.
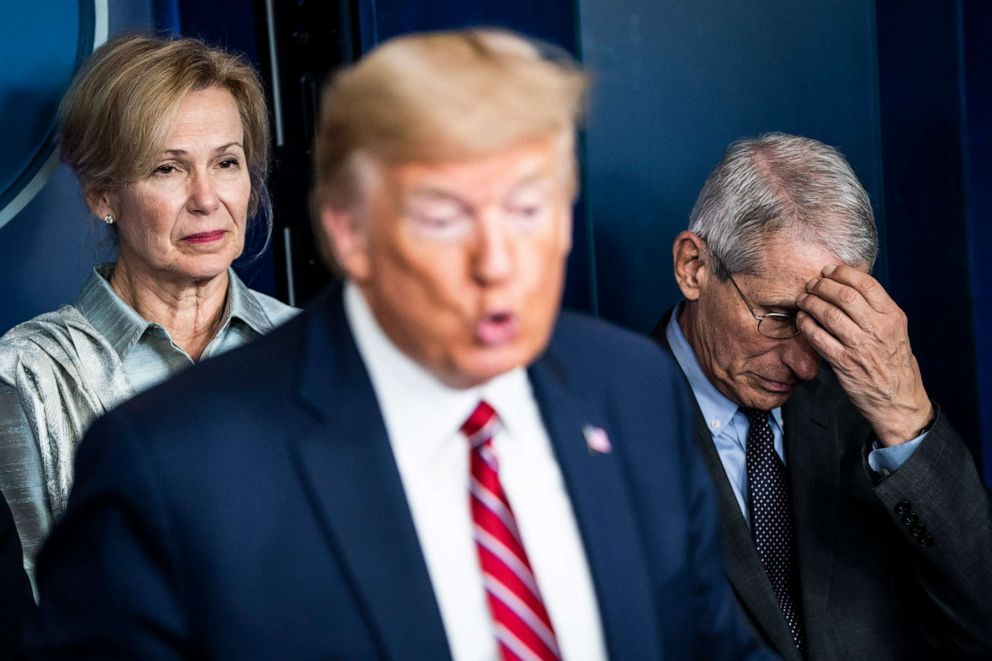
[[61, 370]]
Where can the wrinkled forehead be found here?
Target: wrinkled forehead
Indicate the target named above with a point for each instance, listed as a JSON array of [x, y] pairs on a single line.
[[788, 261]]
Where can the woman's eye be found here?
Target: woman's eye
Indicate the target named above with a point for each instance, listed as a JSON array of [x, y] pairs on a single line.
[[165, 169], [229, 163]]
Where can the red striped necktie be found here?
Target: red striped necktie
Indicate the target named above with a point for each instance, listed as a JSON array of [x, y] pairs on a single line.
[[521, 624]]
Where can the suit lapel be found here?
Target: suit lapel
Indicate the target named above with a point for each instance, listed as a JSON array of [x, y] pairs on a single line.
[[346, 464], [812, 448], [741, 562], [603, 511]]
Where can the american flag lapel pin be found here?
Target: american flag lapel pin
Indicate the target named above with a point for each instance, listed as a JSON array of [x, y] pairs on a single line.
[[597, 440]]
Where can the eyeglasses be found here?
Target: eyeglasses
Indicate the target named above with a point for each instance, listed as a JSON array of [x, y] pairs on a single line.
[[776, 325]]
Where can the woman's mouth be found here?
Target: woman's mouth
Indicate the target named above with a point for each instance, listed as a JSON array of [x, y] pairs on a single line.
[[205, 237]]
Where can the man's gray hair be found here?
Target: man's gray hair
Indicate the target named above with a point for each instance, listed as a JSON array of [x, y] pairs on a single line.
[[783, 183]]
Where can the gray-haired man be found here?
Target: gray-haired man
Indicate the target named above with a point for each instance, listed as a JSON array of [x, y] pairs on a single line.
[[854, 521]]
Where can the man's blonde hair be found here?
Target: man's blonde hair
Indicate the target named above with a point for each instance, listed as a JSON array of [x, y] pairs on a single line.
[[114, 119], [443, 96]]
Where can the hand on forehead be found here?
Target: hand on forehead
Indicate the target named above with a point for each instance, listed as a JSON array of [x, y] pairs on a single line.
[[849, 319]]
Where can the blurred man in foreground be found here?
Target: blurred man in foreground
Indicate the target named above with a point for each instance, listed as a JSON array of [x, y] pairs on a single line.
[[855, 524], [430, 462]]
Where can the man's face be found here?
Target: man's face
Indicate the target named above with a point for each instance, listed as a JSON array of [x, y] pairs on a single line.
[[747, 367], [463, 262]]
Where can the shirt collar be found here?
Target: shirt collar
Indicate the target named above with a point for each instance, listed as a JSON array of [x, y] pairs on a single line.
[[716, 408], [244, 307], [123, 327], [109, 314], [421, 412]]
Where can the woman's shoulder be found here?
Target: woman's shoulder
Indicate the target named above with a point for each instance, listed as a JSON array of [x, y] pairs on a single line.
[[51, 339], [46, 326]]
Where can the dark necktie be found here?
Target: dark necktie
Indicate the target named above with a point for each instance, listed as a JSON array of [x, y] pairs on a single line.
[[771, 519], [520, 621]]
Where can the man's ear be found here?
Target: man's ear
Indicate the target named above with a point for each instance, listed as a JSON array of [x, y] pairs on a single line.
[[691, 269], [347, 240]]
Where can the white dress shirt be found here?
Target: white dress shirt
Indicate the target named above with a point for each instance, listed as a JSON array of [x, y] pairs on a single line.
[[423, 417]]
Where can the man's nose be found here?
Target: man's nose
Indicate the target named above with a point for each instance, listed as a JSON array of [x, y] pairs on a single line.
[[801, 358], [494, 258]]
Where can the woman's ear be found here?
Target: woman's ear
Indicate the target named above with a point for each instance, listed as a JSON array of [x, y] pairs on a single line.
[[101, 204]]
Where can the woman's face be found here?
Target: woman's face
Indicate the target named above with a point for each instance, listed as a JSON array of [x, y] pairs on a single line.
[[184, 221]]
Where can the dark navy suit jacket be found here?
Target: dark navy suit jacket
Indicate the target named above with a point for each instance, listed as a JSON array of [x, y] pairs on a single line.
[[252, 508], [16, 600]]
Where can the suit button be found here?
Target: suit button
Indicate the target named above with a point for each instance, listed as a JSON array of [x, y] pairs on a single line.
[[903, 507], [910, 518], [917, 531], [926, 541]]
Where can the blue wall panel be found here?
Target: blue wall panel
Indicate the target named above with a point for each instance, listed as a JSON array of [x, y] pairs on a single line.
[[47, 250], [676, 83], [550, 21], [922, 132], [42, 56], [976, 55]]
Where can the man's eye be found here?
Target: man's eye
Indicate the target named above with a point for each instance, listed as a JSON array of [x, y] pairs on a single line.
[[526, 212], [436, 222], [779, 323], [527, 207], [441, 226]]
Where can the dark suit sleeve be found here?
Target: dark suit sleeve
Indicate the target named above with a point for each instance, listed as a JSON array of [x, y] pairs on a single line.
[[722, 632], [108, 577], [16, 600], [938, 501], [704, 601]]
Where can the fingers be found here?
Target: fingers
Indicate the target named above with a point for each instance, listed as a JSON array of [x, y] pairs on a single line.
[[847, 302], [836, 309], [848, 317], [852, 322], [870, 290], [824, 343]]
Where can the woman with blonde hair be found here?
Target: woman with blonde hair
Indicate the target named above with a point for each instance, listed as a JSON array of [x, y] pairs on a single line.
[[169, 141]]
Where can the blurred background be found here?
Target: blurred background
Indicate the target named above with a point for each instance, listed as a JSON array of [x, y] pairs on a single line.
[[901, 87]]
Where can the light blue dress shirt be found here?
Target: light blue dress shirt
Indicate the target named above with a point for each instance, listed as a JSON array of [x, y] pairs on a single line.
[[729, 426]]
